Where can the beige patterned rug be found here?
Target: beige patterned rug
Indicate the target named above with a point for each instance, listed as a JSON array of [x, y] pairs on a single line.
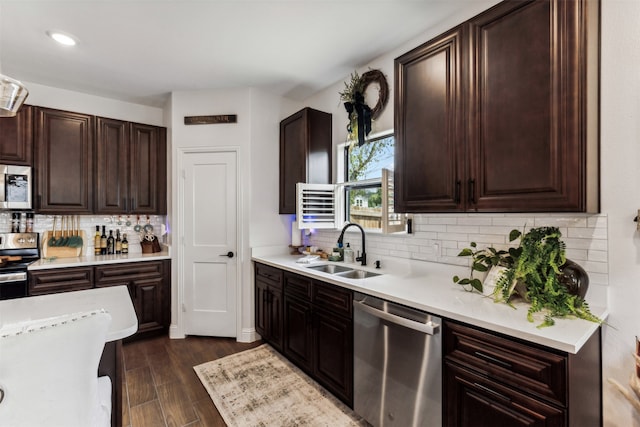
[[259, 387]]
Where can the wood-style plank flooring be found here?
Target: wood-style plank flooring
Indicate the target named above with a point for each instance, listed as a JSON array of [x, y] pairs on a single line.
[[161, 388]]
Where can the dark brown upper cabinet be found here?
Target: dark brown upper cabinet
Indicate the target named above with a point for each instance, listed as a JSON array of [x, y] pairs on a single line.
[[501, 113], [64, 161], [16, 138], [130, 168], [305, 154]]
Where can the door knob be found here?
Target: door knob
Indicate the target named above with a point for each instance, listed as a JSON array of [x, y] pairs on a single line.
[[228, 254]]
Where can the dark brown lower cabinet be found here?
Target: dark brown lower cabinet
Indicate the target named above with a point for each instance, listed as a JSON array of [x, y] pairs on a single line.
[[148, 282], [316, 326], [318, 332], [268, 304], [494, 380]]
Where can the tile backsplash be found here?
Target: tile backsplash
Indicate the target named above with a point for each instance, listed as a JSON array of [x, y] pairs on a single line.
[[440, 237], [88, 224]]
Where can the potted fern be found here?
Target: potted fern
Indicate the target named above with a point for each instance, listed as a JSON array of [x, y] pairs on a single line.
[[536, 270]]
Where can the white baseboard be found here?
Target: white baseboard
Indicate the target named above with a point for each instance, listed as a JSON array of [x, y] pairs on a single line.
[[248, 335]]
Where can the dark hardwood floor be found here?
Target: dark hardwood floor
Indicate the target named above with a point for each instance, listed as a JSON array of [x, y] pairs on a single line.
[[161, 388]]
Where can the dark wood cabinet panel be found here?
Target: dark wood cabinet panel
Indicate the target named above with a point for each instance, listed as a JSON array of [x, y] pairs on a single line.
[[148, 302], [305, 153], [316, 321], [498, 114], [16, 138], [130, 168], [531, 106], [64, 162], [298, 332], [429, 109], [52, 281], [112, 161], [149, 285], [473, 401], [269, 305], [334, 353], [492, 379], [148, 169]]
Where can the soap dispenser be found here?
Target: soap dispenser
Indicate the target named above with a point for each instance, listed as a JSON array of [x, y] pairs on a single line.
[[349, 255]]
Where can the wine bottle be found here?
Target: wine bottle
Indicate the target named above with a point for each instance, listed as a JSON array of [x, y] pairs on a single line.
[[125, 244], [103, 241], [111, 244], [96, 241], [118, 243]]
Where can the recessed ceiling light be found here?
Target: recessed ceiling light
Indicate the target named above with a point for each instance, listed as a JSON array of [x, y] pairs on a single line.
[[62, 38]]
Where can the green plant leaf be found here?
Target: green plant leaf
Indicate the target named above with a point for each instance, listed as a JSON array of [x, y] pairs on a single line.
[[466, 252], [514, 234]]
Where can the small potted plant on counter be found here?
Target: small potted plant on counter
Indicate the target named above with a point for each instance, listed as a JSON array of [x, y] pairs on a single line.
[[537, 270]]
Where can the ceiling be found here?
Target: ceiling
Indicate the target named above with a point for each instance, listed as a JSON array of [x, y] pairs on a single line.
[[141, 50]]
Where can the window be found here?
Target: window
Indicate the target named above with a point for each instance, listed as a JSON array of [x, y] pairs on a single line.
[[363, 195], [367, 176]]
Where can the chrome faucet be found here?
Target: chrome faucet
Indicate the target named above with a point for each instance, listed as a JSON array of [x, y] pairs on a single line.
[[363, 257]]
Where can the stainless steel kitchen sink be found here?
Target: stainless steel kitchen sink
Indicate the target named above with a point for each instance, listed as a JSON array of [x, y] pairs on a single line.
[[358, 274], [331, 268]]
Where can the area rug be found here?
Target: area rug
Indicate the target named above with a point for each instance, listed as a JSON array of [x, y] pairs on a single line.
[[259, 387]]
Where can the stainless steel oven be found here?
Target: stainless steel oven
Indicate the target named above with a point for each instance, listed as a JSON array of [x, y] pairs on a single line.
[[397, 364], [17, 252], [15, 187]]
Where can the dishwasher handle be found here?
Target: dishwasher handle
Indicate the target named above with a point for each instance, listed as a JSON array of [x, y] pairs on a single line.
[[428, 328]]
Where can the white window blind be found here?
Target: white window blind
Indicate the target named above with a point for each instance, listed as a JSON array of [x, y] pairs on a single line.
[[317, 206]]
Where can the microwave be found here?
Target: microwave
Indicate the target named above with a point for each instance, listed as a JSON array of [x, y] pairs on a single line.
[[15, 187]]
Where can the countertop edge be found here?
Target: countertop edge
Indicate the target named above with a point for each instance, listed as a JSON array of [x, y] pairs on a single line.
[[85, 261], [578, 331]]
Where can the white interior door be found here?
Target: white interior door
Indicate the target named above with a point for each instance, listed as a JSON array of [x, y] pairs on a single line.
[[210, 194]]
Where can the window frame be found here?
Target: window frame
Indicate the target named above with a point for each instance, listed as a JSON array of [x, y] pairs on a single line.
[[346, 186]]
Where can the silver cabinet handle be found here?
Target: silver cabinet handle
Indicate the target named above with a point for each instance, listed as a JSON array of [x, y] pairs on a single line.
[[428, 328]]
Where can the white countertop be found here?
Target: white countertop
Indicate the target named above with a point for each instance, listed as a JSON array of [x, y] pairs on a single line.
[[114, 299], [82, 261], [429, 287]]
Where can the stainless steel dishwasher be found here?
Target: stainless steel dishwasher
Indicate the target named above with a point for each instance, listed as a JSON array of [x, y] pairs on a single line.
[[397, 364]]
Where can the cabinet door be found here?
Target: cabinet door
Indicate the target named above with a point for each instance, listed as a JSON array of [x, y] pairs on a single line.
[[148, 170], [112, 160], [473, 401], [429, 129], [262, 308], [275, 318], [334, 353], [64, 161], [305, 153], [148, 302], [16, 138], [298, 332], [528, 136]]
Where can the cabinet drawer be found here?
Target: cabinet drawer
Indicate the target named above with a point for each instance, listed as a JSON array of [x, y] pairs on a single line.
[[271, 275], [528, 368], [60, 280], [116, 272], [333, 298], [470, 397], [298, 285]]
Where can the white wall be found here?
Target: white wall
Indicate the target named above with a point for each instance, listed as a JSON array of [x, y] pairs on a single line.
[[46, 96], [256, 134], [619, 273], [620, 194]]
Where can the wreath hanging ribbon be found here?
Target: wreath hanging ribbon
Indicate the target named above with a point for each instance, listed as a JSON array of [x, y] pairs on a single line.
[[363, 114], [353, 95]]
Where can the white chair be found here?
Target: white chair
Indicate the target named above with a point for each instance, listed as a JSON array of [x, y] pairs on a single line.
[[49, 372]]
